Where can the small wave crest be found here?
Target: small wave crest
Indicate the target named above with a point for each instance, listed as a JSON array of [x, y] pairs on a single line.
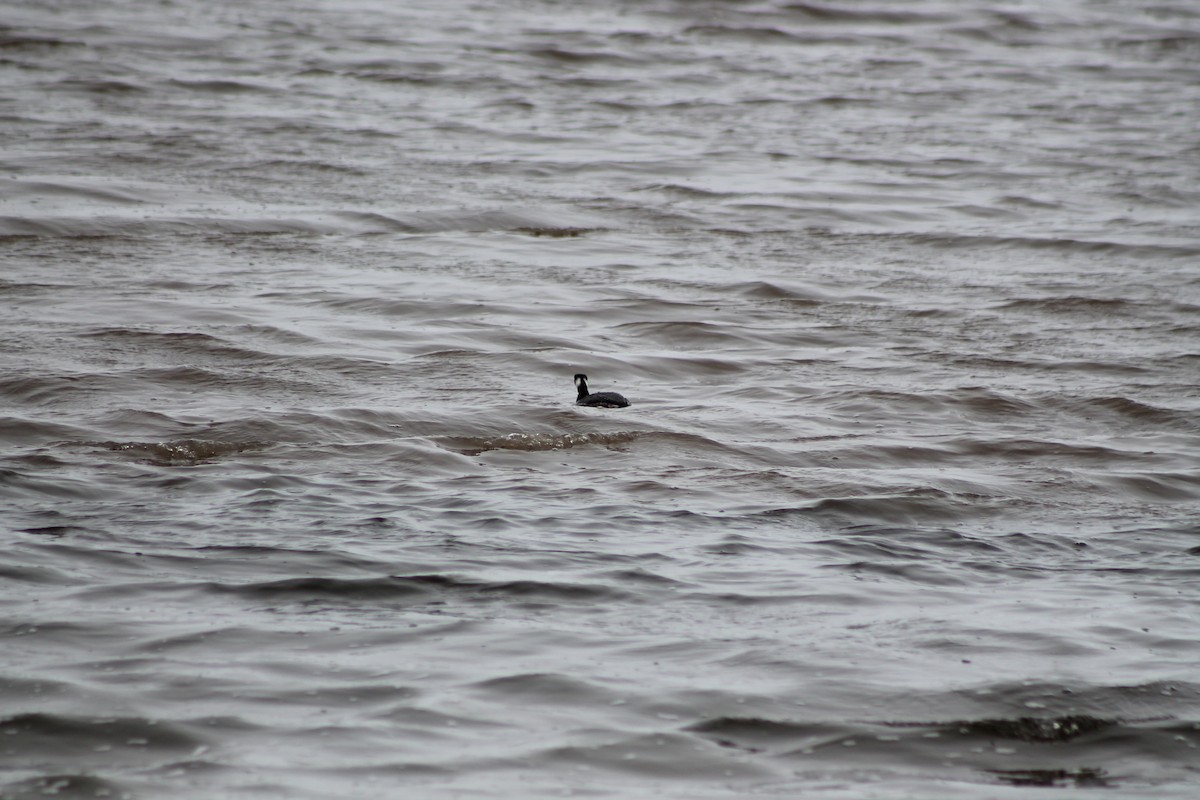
[[181, 451], [534, 442]]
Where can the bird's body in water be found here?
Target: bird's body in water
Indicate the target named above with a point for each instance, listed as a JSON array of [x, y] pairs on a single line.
[[596, 399]]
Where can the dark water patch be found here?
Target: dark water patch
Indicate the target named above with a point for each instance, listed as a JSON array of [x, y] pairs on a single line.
[[221, 86], [557, 233], [95, 86], [52, 530], [182, 452], [66, 785], [411, 589], [564, 56], [978, 400], [759, 34], [842, 101], [15, 39], [1085, 777], [855, 16], [62, 635], [18, 288], [1071, 745], [1032, 729], [1089, 367], [41, 740], [1075, 304], [537, 442], [1065, 246], [1160, 701], [538, 590], [315, 589]]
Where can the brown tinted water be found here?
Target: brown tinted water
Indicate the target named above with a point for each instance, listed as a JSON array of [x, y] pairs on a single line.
[[297, 502]]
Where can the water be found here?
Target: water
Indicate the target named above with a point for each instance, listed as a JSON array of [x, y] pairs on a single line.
[[297, 503]]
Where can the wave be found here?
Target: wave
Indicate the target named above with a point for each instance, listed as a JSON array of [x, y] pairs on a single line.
[[536, 442], [20, 430], [1064, 245], [12, 39], [66, 785], [687, 334], [971, 400], [74, 741], [917, 507], [538, 224], [54, 190], [221, 86], [59, 390], [1126, 409], [181, 451], [404, 590], [883, 16], [1074, 303]]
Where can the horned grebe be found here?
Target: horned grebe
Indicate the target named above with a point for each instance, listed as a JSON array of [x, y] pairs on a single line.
[[596, 399]]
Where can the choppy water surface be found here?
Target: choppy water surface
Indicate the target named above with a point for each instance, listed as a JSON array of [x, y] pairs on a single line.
[[296, 500]]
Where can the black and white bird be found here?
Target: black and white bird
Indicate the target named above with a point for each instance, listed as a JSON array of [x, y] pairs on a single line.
[[596, 399]]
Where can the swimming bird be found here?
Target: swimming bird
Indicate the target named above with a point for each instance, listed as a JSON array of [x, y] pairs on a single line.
[[596, 399]]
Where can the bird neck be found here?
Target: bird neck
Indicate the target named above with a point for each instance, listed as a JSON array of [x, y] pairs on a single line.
[[581, 385]]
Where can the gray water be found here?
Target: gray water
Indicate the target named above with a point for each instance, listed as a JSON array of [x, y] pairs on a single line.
[[296, 501]]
